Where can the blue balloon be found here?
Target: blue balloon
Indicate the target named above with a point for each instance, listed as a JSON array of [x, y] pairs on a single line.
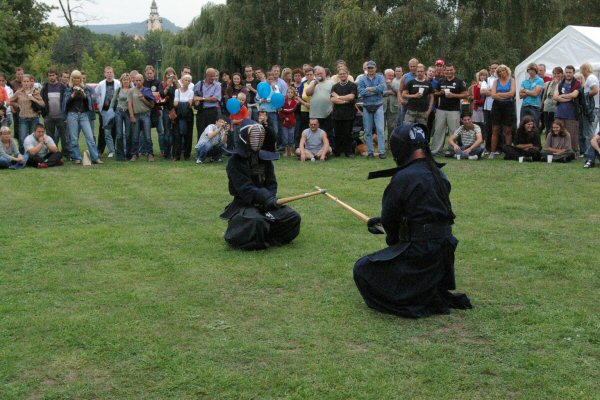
[[278, 100], [233, 106], [264, 90]]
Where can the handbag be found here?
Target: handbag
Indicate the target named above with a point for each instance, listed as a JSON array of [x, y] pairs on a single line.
[[372, 108], [36, 107]]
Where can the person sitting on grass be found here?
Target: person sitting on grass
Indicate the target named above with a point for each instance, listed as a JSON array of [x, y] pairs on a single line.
[[211, 141], [593, 152], [471, 140], [558, 144], [9, 151], [41, 149], [313, 143], [527, 142]]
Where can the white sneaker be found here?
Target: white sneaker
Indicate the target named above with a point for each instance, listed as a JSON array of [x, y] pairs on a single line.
[[111, 155], [473, 158]]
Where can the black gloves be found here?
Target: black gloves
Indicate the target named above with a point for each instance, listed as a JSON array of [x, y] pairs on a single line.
[[271, 203], [374, 226]]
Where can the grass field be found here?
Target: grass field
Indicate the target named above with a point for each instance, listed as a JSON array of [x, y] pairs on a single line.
[[116, 283]]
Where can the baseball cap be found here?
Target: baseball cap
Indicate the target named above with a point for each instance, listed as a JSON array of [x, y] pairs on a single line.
[[371, 63]]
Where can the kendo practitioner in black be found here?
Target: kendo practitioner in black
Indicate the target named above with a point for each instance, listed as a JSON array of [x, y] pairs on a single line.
[[256, 221], [414, 275]]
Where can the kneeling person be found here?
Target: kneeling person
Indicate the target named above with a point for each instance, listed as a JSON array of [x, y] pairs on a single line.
[[41, 149], [211, 141], [470, 138], [256, 221], [414, 275], [314, 143]]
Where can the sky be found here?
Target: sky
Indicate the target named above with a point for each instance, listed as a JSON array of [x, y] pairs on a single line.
[[107, 12]]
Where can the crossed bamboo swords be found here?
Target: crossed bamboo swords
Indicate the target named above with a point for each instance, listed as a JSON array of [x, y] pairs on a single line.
[[319, 191]]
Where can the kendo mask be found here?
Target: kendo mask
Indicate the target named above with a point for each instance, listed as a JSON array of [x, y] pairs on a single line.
[[405, 140], [253, 136]]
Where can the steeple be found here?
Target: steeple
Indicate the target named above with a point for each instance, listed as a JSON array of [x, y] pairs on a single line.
[[154, 20]]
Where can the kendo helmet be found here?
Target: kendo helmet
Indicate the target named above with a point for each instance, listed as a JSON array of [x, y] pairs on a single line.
[[252, 136], [407, 138]]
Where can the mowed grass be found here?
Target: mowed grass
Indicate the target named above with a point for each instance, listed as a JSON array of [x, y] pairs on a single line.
[[116, 283]]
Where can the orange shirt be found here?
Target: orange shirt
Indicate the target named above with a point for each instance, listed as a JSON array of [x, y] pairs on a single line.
[[242, 114]]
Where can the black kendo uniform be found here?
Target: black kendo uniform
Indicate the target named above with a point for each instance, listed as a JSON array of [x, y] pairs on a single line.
[[413, 276], [256, 221]]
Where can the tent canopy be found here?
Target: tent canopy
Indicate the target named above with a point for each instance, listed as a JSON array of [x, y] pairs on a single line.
[[574, 46]]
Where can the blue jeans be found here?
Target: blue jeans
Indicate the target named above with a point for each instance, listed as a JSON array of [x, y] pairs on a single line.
[[274, 124], [142, 134], [160, 129], [75, 122], [123, 125], [374, 120], [108, 135], [401, 114], [57, 129], [288, 136], [26, 127], [208, 149]]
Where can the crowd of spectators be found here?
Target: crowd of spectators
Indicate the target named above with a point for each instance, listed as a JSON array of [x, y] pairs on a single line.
[[325, 113]]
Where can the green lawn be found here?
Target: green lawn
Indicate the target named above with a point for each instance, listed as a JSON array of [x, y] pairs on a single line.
[[116, 283]]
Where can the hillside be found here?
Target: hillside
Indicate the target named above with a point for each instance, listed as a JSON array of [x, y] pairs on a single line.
[[134, 28]]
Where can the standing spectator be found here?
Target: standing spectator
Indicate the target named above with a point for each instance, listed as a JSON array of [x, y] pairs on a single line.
[[304, 98], [105, 91], [440, 69], [120, 104], [486, 90], [286, 75], [320, 102], [418, 94], [435, 84], [41, 150], [92, 111], [297, 84], [288, 117], [207, 97], [371, 87], [566, 94], [447, 116], [541, 70], [64, 78], [8, 94], [156, 87], [22, 101], [527, 142], [548, 102], [590, 92], [478, 98], [251, 84], [558, 144], [225, 82], [10, 157], [269, 108], [503, 108], [391, 107], [141, 103], [531, 94], [339, 64], [183, 101], [343, 96], [236, 122], [53, 93], [235, 87], [281, 84], [16, 85], [76, 107], [470, 138], [412, 74], [170, 83]]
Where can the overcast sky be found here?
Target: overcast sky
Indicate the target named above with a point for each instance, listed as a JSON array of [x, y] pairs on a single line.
[[106, 12]]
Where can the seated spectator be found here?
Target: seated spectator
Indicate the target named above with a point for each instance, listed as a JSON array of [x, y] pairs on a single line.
[[41, 149], [593, 152], [527, 142], [9, 151], [314, 143], [558, 144], [211, 141], [470, 138]]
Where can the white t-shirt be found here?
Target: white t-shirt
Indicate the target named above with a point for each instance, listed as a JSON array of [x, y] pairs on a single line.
[[31, 141], [489, 100], [184, 97], [590, 82], [215, 140]]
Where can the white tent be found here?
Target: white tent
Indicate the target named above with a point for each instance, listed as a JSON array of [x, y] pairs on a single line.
[[574, 46]]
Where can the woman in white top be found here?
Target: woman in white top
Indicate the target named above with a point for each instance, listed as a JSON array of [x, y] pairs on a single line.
[[184, 97]]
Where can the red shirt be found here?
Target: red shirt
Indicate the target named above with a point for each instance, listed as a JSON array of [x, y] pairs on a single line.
[[242, 114], [288, 113]]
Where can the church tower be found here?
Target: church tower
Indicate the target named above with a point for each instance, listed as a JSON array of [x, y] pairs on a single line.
[[154, 20]]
